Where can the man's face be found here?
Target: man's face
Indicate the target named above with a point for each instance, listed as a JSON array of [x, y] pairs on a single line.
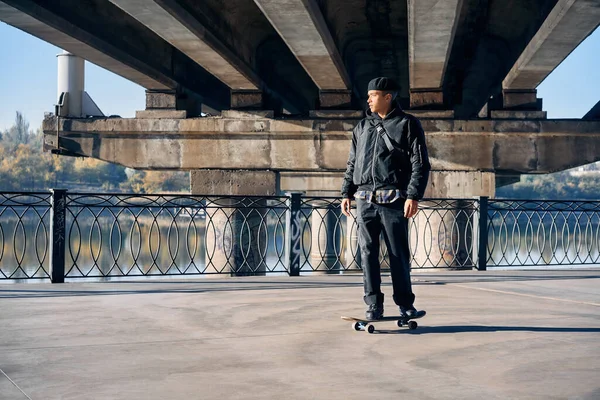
[[378, 101]]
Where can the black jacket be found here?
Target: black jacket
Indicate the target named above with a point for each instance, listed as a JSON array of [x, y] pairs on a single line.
[[371, 165]]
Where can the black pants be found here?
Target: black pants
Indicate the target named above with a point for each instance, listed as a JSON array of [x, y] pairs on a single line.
[[374, 219]]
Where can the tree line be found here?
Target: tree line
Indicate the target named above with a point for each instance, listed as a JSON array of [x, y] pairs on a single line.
[[25, 167]]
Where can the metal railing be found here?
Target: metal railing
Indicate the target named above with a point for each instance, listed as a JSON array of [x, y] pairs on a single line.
[[542, 233], [62, 235]]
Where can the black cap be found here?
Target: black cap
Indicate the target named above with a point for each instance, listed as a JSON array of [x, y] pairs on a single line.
[[385, 84]]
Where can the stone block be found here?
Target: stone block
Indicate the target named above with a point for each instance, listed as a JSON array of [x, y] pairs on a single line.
[[340, 99], [510, 114], [233, 182], [247, 99], [525, 126], [248, 114], [426, 98], [460, 184], [161, 99], [311, 183], [292, 125], [286, 154], [520, 99], [161, 114], [342, 114], [437, 114]]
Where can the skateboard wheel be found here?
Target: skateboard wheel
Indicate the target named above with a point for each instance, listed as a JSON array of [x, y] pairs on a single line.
[[357, 326], [370, 328], [400, 323], [412, 325]]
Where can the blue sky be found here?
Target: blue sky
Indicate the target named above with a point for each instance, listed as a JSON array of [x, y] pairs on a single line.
[[28, 70]]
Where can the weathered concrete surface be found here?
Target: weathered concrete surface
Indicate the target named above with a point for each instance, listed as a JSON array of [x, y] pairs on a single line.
[[431, 29], [442, 184], [233, 182], [301, 25], [316, 145], [178, 27], [452, 54], [460, 184], [567, 25], [492, 335]]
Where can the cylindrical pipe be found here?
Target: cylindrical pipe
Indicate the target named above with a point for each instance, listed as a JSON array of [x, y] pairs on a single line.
[[71, 77]]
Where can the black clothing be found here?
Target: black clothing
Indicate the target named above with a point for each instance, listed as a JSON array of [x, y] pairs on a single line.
[[384, 84], [372, 166], [398, 161], [374, 312], [373, 220]]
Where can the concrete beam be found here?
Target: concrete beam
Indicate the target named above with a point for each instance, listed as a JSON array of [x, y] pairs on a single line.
[[568, 24], [176, 26], [40, 29], [127, 41], [301, 25], [320, 145], [431, 30]]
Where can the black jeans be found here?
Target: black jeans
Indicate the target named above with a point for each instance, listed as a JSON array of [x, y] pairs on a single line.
[[374, 219]]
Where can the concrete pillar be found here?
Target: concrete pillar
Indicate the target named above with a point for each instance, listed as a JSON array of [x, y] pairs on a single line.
[[335, 99], [426, 98], [521, 99], [235, 231], [162, 104], [246, 99], [443, 237], [326, 243]]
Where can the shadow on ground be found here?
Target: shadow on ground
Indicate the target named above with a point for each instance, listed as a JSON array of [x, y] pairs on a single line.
[[424, 330]]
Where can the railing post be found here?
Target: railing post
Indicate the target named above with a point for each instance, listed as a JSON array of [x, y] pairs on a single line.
[[293, 233], [483, 233], [57, 241]]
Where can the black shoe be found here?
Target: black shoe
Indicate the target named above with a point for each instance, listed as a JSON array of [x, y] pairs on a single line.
[[374, 312], [410, 311]]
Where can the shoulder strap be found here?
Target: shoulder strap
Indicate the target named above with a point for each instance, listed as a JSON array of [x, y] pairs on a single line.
[[386, 138]]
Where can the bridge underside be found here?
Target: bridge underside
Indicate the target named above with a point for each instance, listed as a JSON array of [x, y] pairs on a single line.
[[301, 55], [469, 68], [311, 154]]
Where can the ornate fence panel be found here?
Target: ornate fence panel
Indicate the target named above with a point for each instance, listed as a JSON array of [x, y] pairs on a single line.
[[543, 233], [130, 235], [62, 235], [24, 235], [441, 235], [444, 233]]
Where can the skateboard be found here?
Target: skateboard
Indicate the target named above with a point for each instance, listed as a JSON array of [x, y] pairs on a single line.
[[361, 324]]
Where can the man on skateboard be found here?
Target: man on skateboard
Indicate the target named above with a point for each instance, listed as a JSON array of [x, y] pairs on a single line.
[[388, 169]]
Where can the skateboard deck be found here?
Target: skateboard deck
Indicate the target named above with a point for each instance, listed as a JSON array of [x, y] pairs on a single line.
[[361, 324]]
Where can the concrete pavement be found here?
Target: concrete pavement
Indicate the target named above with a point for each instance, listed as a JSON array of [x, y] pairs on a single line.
[[492, 335]]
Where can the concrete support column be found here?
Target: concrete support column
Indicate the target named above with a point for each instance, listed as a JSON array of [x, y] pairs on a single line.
[[521, 99], [335, 99], [247, 100], [326, 243], [235, 228], [443, 236], [162, 104], [161, 100], [427, 98]]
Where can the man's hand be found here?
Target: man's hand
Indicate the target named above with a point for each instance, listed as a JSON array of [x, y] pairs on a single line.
[[410, 208], [346, 203]]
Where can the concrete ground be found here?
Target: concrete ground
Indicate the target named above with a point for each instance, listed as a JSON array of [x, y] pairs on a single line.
[[487, 335]]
